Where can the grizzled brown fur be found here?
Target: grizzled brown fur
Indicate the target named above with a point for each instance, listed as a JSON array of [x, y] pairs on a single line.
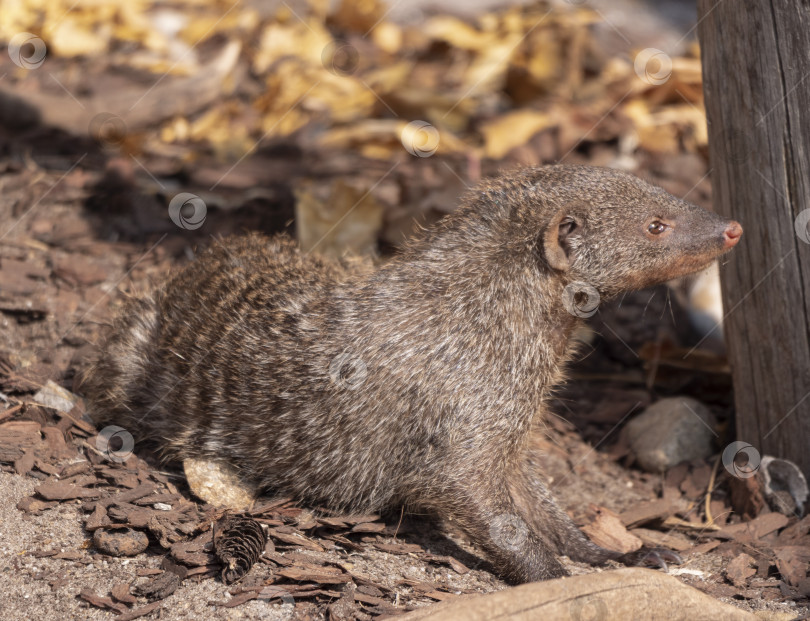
[[417, 383]]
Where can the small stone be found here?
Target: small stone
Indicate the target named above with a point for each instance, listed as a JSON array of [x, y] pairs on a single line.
[[218, 483], [125, 542], [671, 431], [52, 395]]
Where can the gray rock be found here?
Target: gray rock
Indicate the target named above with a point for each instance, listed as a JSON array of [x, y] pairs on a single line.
[[670, 431]]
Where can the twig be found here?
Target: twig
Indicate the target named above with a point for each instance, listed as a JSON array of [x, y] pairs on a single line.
[[709, 490]]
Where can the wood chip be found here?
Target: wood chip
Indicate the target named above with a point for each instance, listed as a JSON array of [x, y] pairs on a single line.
[[795, 531], [359, 519], [134, 516], [79, 467], [97, 519], [368, 527], [120, 592], [755, 529], [195, 553], [294, 538], [740, 569], [277, 558], [657, 539], [24, 464], [34, 505], [70, 555], [159, 587], [607, 531], [45, 467], [54, 440], [128, 496], [310, 575], [399, 548], [647, 512], [369, 599], [57, 490], [140, 612], [792, 563], [237, 600], [455, 564], [15, 438], [98, 601]]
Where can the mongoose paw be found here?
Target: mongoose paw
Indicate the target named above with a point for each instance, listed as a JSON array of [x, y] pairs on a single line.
[[651, 557]]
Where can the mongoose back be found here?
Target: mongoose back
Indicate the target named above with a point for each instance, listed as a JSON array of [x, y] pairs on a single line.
[[417, 383]]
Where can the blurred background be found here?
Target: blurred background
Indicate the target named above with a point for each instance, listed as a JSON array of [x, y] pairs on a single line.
[[305, 108], [134, 133]]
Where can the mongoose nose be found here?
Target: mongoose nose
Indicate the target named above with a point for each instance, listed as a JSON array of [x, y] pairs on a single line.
[[732, 233]]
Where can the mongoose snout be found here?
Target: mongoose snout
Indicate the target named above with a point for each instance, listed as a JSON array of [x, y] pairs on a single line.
[[733, 233], [417, 383]]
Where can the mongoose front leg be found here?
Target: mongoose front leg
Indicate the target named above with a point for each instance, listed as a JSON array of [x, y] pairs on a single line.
[[541, 511], [536, 503], [518, 551]]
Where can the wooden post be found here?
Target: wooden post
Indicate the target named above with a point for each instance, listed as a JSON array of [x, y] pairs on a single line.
[[756, 81]]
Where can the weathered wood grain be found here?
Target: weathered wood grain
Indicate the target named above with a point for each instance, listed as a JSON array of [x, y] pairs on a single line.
[[756, 68]]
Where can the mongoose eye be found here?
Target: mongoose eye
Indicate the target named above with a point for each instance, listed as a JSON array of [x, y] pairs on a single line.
[[656, 227]]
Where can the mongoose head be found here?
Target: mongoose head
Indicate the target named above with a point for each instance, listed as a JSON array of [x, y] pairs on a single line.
[[612, 230]]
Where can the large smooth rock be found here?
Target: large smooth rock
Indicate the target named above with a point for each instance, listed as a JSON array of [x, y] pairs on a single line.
[[631, 593], [670, 431]]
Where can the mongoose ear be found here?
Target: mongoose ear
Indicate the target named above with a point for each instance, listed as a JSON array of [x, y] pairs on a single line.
[[555, 240]]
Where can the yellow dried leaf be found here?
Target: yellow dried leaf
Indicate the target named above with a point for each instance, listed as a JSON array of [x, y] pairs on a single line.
[[334, 219], [512, 130], [456, 33], [388, 37], [358, 15], [70, 38], [306, 42], [658, 138]]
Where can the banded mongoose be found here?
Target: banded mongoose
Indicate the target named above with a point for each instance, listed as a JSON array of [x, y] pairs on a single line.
[[418, 383]]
